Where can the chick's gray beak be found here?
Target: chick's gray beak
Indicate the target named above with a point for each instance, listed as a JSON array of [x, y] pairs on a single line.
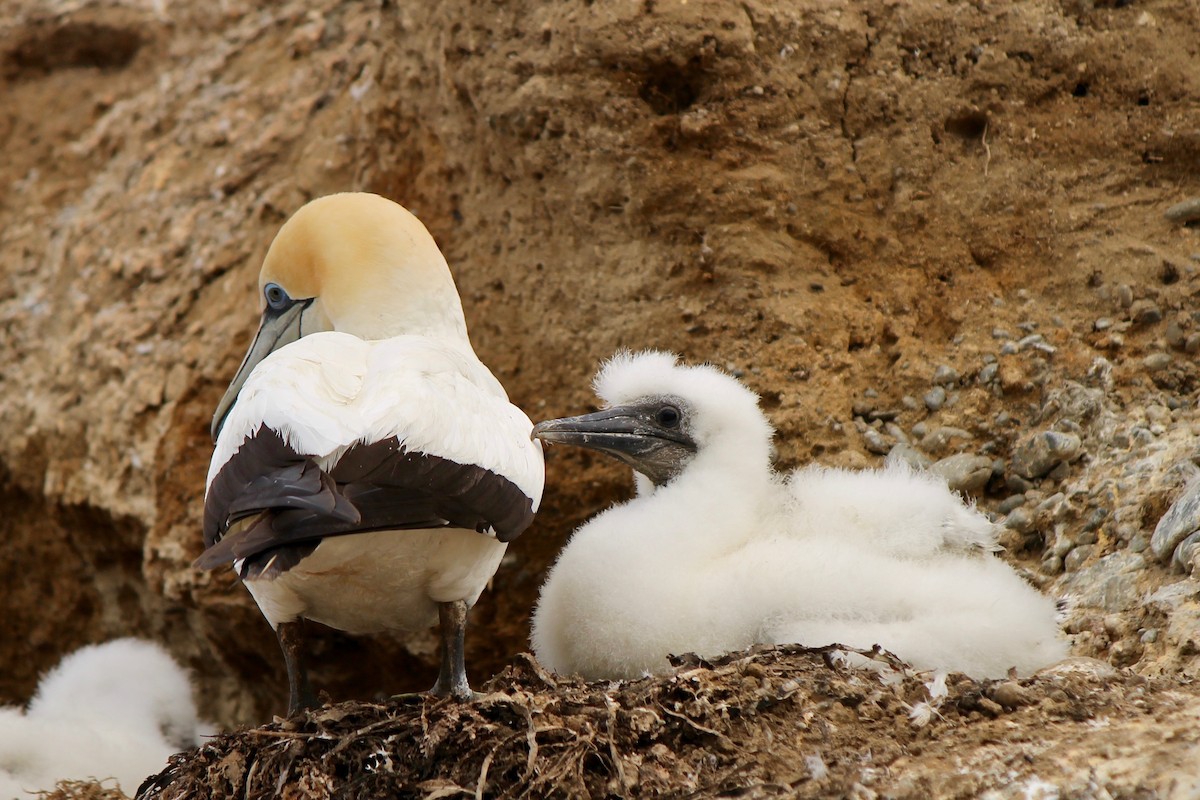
[[276, 329], [631, 434]]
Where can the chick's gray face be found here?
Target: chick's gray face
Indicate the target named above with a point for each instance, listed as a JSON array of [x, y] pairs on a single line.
[[653, 435]]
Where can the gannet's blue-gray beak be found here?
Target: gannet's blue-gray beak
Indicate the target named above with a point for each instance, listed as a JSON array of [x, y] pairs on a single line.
[[277, 328]]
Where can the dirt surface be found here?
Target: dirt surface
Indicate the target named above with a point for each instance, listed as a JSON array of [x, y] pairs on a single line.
[[937, 225]]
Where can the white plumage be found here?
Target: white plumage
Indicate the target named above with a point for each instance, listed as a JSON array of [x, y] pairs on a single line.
[[718, 552], [368, 469], [116, 710]]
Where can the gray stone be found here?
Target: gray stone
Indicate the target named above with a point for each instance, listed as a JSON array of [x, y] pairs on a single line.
[[1013, 501], [1102, 324], [1186, 552], [1109, 584], [1124, 295], [1145, 312], [875, 443], [895, 431], [1000, 333], [1180, 521], [988, 373], [1016, 483], [1156, 362], [1185, 212], [1019, 520], [1139, 543], [935, 398], [1040, 453], [939, 439], [964, 472], [944, 375], [907, 454], [1174, 334]]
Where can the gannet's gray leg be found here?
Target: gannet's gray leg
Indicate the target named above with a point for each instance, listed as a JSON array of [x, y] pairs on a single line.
[[452, 679], [291, 642]]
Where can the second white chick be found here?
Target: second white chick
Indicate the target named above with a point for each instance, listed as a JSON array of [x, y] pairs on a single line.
[[116, 710]]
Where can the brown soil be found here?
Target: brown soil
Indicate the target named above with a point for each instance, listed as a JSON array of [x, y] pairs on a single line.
[[831, 199]]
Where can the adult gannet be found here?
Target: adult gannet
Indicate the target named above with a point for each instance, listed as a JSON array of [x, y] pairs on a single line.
[[114, 710], [369, 469], [718, 552]]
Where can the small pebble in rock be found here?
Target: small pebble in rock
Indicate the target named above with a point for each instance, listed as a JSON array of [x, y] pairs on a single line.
[[919, 430], [1000, 333], [1010, 503], [988, 373], [1008, 349], [964, 472], [1011, 694], [1040, 453], [944, 375], [1174, 334], [1145, 312], [1185, 212], [1192, 343], [1016, 483], [875, 443], [1150, 636], [1076, 558], [1156, 362], [896, 432], [1019, 520], [1139, 543], [910, 402], [935, 398], [1124, 296], [907, 454], [1102, 324], [938, 440]]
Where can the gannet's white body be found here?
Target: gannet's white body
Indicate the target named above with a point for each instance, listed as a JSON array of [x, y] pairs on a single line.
[[369, 470], [717, 552], [116, 710]]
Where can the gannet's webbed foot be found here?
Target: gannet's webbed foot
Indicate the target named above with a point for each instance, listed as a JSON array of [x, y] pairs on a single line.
[[452, 678], [291, 642]]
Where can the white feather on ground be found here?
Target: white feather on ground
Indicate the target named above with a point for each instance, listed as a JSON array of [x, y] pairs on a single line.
[[727, 554], [116, 710]]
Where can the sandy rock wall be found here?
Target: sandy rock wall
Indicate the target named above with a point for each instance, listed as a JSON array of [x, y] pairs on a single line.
[[919, 225]]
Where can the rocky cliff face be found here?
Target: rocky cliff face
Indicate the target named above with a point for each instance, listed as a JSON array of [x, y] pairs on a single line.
[[939, 227]]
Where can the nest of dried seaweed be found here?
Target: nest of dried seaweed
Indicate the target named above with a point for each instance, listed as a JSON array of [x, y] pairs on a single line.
[[768, 721]]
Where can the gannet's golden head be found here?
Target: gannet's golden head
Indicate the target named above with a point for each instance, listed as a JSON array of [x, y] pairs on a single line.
[[355, 263]]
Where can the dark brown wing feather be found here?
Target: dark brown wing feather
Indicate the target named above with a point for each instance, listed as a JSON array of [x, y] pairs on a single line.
[[376, 486]]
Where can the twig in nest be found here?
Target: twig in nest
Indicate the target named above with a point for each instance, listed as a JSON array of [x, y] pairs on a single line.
[[483, 771], [612, 740], [352, 737], [531, 738]]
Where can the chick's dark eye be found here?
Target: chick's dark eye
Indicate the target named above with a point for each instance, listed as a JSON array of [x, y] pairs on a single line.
[[668, 417], [277, 298]]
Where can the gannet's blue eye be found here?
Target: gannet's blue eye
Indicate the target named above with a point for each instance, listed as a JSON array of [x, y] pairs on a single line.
[[277, 298], [668, 417]]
